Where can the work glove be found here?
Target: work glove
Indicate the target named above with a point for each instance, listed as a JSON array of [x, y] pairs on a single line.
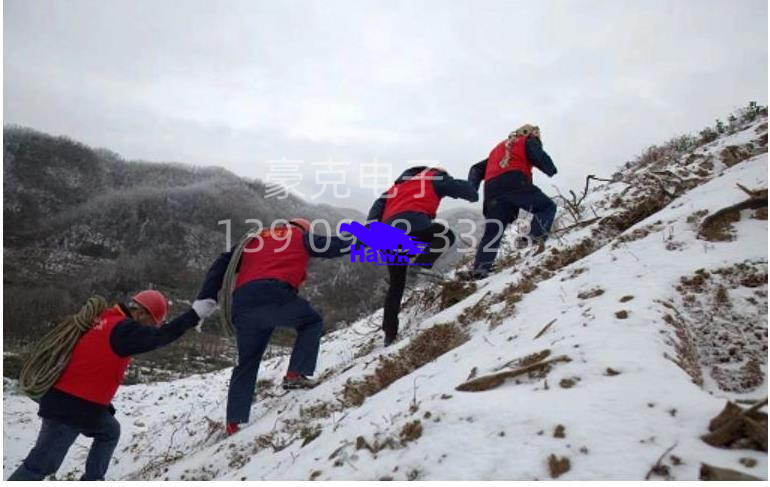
[[203, 308]]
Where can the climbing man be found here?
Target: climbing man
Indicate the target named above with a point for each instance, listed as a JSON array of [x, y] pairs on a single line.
[[507, 175], [80, 401], [411, 205], [267, 270]]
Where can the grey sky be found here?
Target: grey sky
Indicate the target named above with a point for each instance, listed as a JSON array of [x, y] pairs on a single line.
[[236, 83]]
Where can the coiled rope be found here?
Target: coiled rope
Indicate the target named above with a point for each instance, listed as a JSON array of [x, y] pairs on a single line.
[[228, 284], [52, 352]]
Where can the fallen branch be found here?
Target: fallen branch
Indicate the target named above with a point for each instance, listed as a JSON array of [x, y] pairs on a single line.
[[487, 382], [721, 218], [753, 193], [578, 224], [545, 328]]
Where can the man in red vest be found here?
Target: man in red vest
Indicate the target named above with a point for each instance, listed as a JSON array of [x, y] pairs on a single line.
[[80, 402], [507, 176], [272, 268], [411, 205]]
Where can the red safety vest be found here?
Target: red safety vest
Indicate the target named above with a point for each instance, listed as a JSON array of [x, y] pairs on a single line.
[[517, 160], [95, 371], [407, 196], [288, 264]]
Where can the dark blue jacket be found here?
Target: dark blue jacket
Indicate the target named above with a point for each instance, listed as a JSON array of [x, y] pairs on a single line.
[[446, 186], [126, 339], [513, 180], [213, 281]]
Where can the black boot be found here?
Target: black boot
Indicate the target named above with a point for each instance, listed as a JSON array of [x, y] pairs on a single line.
[[389, 339]]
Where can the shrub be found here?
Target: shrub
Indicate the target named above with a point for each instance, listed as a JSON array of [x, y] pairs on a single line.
[[708, 135], [424, 348]]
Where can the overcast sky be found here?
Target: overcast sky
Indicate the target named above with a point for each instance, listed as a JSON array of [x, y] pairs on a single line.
[[238, 83]]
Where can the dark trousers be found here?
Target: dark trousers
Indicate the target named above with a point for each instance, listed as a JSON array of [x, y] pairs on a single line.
[[55, 439], [502, 210], [438, 237], [274, 303]]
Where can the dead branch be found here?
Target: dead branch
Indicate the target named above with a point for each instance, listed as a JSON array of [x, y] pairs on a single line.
[[414, 391], [568, 205], [718, 218], [588, 181], [487, 382], [659, 468], [336, 421], [753, 193], [580, 224], [545, 328], [573, 204]]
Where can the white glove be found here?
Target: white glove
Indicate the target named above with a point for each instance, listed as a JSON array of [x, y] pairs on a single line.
[[204, 307]]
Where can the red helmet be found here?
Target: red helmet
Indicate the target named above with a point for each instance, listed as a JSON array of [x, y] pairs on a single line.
[[303, 223], [154, 302]]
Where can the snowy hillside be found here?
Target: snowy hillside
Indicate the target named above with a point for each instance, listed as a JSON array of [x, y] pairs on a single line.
[[621, 341]]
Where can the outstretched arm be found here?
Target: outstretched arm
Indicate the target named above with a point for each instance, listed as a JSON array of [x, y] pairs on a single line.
[[476, 173], [538, 157], [131, 338], [213, 281], [337, 247], [455, 188]]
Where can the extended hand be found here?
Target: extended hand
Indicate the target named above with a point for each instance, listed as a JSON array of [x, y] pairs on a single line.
[[204, 307]]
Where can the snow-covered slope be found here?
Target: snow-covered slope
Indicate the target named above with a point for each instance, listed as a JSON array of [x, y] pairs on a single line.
[[649, 329]]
